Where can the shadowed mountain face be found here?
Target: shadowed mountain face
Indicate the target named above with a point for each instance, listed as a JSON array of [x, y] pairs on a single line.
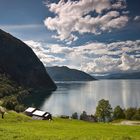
[[18, 61], [66, 74]]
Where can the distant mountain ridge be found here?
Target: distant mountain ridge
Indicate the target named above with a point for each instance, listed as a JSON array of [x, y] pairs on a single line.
[[19, 62], [66, 74], [132, 75]]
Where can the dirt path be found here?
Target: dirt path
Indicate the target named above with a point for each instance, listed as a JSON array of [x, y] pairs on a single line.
[[128, 123]]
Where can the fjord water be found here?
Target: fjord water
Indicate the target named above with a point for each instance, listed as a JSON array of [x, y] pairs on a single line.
[[73, 97]]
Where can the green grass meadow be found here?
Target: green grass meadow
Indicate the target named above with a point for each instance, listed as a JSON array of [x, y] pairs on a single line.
[[20, 127]]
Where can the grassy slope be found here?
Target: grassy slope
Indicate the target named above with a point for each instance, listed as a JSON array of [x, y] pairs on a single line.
[[19, 127]]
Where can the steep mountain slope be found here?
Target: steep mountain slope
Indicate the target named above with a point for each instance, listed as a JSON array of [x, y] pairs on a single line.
[[20, 63], [66, 74]]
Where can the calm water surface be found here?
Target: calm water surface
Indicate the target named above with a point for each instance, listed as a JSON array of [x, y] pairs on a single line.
[[73, 97]]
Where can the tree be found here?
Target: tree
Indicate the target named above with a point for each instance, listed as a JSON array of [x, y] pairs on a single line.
[[118, 113], [137, 115], [103, 110], [130, 112], [83, 116], [75, 115], [10, 102]]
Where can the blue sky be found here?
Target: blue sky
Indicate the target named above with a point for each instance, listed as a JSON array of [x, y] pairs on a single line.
[[104, 35]]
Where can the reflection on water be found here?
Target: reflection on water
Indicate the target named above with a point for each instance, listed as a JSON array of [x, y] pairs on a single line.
[[73, 97], [36, 99]]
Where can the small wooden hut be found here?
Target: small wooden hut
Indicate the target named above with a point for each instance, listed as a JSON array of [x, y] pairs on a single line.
[[29, 111], [38, 114]]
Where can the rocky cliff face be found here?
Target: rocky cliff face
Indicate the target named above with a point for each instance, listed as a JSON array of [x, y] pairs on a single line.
[[22, 65]]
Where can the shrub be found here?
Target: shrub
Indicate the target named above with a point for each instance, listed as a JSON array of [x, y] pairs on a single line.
[[19, 108], [83, 116], [136, 115], [118, 113], [130, 112], [74, 115], [10, 103]]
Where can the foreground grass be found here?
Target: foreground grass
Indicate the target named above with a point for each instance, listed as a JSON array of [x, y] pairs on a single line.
[[20, 127]]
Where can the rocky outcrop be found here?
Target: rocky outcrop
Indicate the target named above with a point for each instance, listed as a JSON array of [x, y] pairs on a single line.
[[18, 61]]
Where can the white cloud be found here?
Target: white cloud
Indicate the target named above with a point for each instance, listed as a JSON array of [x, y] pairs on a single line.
[[114, 57], [106, 64], [137, 18], [129, 63], [21, 26], [93, 57], [120, 4], [73, 16], [45, 55], [125, 12]]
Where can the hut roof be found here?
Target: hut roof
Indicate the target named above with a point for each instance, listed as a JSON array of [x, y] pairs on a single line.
[[30, 109], [39, 113], [46, 115]]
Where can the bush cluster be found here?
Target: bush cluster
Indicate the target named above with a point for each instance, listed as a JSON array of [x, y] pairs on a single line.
[[12, 103], [11, 94]]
